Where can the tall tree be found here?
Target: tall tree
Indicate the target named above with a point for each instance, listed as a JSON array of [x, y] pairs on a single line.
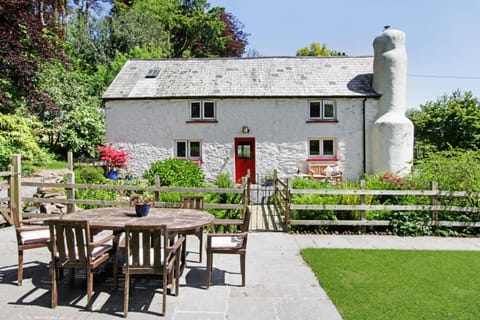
[[125, 31], [53, 15], [25, 45], [79, 124], [195, 30], [237, 38], [453, 121]]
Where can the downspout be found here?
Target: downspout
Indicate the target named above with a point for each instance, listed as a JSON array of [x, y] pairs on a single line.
[[364, 147]]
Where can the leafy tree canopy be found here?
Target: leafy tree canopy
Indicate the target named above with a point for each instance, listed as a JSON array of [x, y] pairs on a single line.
[[318, 50], [57, 57], [195, 30], [25, 44], [453, 121]]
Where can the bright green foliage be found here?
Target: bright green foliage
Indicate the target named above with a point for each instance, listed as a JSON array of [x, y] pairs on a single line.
[[224, 181], [399, 284], [450, 122], [93, 175], [453, 170], [127, 32], [19, 134], [317, 50], [457, 170], [194, 30], [78, 125], [175, 173]]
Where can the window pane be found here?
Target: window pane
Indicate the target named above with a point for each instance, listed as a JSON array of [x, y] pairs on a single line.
[[315, 109], [195, 110], [209, 110], [314, 147], [195, 149], [328, 148], [181, 149], [328, 109], [244, 150]]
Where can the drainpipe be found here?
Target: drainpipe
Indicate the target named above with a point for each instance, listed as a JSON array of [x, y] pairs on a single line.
[[364, 151]]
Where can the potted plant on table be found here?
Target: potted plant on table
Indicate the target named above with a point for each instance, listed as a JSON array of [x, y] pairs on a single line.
[[142, 203], [113, 159]]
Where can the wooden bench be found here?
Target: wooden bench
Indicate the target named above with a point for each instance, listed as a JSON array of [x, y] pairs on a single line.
[[325, 171]]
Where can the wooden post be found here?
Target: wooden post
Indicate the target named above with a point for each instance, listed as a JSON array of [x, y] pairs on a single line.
[[244, 195], [157, 185], [434, 202], [10, 217], [362, 203], [288, 202], [70, 179], [15, 196]]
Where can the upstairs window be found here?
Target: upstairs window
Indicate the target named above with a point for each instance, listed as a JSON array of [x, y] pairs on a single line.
[[322, 148], [188, 149], [323, 110], [202, 110]]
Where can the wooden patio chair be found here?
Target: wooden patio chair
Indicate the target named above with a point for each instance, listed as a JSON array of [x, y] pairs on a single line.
[[148, 251], [31, 234], [228, 243], [72, 247], [194, 202]]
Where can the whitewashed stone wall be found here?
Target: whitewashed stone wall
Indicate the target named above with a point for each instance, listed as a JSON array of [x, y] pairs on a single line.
[[147, 130]]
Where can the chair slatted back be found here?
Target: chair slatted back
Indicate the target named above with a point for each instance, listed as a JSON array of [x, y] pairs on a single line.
[[192, 202], [71, 241], [146, 249]]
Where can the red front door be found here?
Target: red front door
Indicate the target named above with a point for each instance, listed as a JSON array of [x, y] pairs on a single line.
[[244, 158]]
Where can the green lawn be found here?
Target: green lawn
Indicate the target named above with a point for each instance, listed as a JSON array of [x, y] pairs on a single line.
[[399, 284]]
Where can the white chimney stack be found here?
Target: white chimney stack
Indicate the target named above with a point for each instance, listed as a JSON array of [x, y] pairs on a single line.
[[392, 134]]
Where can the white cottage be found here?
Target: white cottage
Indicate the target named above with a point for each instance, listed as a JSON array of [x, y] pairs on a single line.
[[260, 114]]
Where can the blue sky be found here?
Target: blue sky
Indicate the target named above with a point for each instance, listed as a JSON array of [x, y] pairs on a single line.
[[443, 37]]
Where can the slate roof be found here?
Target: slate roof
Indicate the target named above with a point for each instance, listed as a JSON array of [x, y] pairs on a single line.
[[244, 77]]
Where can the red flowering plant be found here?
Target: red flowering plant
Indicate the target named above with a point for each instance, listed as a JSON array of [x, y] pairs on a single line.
[[112, 158]]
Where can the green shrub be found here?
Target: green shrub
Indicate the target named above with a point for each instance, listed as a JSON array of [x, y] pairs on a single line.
[[452, 169], [175, 173], [93, 175], [224, 181], [20, 134]]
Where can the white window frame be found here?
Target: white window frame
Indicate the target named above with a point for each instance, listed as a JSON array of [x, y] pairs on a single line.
[[321, 144], [202, 110], [323, 103], [188, 143]]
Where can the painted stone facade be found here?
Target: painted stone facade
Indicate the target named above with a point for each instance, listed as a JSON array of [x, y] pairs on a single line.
[[147, 116], [281, 135]]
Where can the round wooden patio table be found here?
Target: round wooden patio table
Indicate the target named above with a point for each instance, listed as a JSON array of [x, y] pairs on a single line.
[[176, 220]]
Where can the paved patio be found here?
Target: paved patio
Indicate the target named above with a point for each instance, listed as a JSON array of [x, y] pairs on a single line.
[[279, 283]]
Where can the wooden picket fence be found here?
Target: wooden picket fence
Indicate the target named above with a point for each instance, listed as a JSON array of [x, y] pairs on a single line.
[[15, 200], [282, 199], [284, 193]]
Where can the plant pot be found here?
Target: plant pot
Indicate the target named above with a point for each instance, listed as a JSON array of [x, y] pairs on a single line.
[[142, 209], [112, 175]]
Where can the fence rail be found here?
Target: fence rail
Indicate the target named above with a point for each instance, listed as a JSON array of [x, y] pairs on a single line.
[[434, 195], [15, 200], [282, 199]]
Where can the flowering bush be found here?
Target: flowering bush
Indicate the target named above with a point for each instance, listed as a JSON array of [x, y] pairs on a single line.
[[112, 158]]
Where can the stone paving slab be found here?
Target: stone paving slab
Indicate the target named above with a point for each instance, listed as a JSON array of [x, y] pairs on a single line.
[[280, 285]]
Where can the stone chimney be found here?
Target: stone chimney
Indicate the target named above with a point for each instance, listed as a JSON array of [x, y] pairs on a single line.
[[391, 143]]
